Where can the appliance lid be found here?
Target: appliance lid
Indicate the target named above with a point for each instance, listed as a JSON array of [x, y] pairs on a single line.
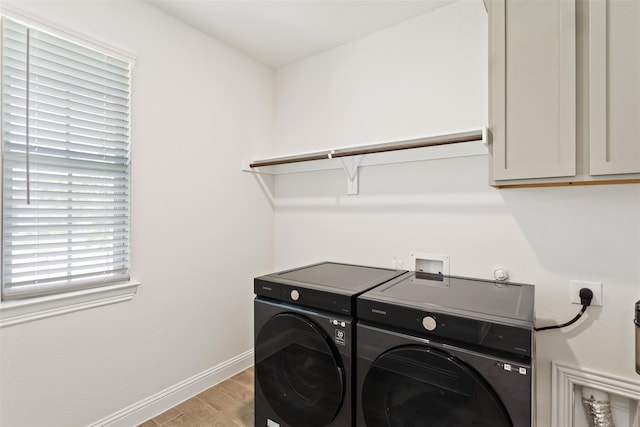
[[337, 276], [459, 295]]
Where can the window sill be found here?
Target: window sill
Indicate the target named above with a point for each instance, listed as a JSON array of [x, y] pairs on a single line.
[[22, 311]]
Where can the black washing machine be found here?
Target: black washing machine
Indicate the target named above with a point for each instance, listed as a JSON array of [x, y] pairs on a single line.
[[445, 351], [304, 343]]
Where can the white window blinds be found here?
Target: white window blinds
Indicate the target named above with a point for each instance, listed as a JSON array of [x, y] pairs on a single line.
[[65, 153]]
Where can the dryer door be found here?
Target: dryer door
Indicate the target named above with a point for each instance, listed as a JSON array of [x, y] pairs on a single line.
[[299, 371], [422, 386]]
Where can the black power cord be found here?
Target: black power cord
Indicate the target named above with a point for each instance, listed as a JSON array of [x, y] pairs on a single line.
[[586, 295]]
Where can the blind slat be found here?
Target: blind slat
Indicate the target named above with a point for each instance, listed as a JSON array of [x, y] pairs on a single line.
[[18, 144], [14, 36], [82, 121], [56, 78], [81, 101], [17, 111], [53, 188], [64, 251], [65, 217], [68, 62], [90, 55], [96, 244], [58, 267], [47, 147], [56, 166]]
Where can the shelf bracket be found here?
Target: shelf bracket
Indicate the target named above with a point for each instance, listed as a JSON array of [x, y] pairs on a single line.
[[350, 166]]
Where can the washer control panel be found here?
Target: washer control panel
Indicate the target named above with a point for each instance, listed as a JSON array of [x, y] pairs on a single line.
[[429, 323], [302, 296]]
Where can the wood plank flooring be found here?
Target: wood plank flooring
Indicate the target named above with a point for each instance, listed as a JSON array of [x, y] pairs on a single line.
[[228, 404]]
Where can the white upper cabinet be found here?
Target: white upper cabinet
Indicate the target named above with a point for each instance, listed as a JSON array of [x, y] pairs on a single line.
[[533, 82], [614, 86], [564, 91]]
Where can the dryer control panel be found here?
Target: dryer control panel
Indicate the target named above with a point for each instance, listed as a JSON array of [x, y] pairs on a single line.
[[493, 336]]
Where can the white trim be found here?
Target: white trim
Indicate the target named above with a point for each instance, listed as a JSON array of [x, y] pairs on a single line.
[[166, 399], [565, 378], [28, 310], [15, 13]]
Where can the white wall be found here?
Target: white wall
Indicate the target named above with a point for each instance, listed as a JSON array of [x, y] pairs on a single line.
[[201, 229], [428, 74], [199, 108], [424, 77]]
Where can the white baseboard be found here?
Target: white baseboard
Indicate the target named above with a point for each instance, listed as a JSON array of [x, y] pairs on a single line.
[[160, 402]]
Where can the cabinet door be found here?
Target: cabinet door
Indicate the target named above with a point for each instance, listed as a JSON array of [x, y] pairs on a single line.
[[532, 88], [614, 87]]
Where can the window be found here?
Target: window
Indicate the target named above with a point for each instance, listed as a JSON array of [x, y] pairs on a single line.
[[65, 164]]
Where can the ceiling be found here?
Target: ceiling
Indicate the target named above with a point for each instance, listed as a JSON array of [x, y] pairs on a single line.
[[281, 32]]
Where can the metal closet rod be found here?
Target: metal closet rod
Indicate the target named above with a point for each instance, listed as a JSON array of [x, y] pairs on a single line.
[[432, 141]]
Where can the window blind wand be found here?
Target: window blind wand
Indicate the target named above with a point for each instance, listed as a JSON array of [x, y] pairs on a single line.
[[27, 109]]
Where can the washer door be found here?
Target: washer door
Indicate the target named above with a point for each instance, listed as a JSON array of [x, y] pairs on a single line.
[[421, 386], [298, 371]]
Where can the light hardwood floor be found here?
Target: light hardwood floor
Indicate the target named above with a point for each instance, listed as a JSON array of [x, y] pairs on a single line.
[[228, 404]]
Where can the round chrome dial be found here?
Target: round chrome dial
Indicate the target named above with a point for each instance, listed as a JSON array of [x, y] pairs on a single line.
[[429, 323]]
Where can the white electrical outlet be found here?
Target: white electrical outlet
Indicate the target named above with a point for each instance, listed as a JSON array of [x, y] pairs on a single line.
[[596, 288]]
